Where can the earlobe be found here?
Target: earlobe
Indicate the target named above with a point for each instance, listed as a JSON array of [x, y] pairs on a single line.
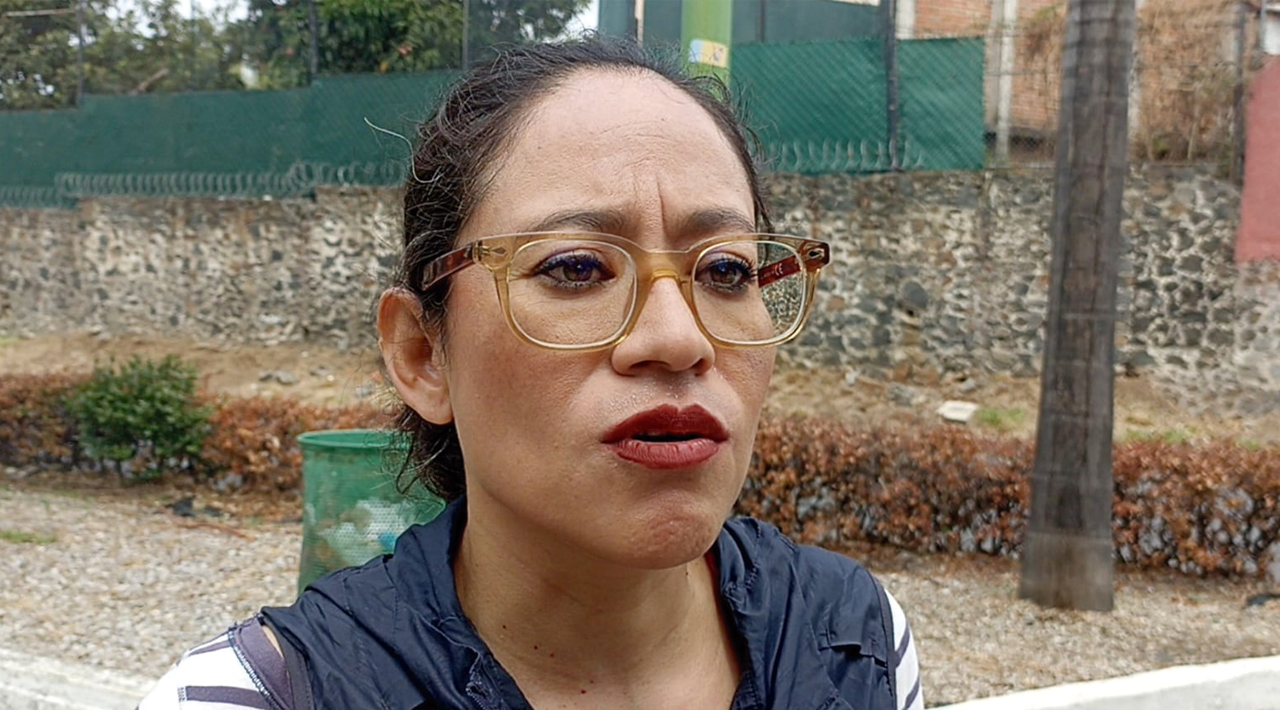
[[414, 361]]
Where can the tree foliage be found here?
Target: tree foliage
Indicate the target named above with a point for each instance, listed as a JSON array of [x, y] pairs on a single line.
[[141, 46], [137, 46], [354, 36], [503, 22], [363, 36], [37, 54]]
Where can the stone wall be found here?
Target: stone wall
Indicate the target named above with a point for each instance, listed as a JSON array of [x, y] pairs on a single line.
[[242, 271], [934, 276], [942, 275]]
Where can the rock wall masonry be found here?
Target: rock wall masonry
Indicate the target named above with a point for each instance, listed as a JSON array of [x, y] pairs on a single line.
[[942, 275], [934, 276]]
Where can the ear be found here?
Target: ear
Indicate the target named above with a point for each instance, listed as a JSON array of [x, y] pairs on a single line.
[[414, 359]]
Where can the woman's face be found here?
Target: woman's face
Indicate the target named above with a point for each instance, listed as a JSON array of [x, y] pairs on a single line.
[[552, 447]]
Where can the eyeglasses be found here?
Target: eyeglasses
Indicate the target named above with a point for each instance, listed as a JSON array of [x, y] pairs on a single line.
[[573, 291]]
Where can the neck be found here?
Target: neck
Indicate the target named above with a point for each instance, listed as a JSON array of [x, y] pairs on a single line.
[[565, 621]]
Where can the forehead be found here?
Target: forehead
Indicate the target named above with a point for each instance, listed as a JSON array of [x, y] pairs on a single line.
[[628, 143]]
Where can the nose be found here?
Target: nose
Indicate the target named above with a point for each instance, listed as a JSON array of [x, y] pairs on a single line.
[[666, 335]]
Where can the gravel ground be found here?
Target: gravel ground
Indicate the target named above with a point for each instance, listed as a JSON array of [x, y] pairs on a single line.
[[110, 579]]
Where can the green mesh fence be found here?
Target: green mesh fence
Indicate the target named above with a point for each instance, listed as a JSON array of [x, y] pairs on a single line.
[[836, 120], [941, 100], [818, 107]]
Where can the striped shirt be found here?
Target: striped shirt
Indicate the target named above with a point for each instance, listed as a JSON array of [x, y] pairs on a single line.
[[241, 669]]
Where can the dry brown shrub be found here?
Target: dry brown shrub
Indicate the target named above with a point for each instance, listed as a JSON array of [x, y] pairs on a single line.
[[1209, 508], [254, 444], [941, 489], [1200, 508], [35, 426]]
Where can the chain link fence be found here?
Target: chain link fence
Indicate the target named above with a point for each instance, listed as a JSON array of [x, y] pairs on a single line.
[[249, 98], [1193, 62]]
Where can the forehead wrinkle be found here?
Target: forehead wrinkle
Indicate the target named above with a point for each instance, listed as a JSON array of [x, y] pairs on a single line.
[[606, 221], [658, 137]]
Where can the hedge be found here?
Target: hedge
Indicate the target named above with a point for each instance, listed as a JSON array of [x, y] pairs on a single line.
[[1199, 508]]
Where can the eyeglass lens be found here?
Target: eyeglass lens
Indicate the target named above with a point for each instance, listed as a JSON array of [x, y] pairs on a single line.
[[582, 292]]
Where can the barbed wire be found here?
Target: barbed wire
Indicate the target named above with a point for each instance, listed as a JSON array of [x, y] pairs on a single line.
[[300, 180], [972, 103], [303, 178], [23, 197], [842, 157]]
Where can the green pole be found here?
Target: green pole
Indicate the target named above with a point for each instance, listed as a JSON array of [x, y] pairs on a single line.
[[706, 34], [616, 17]]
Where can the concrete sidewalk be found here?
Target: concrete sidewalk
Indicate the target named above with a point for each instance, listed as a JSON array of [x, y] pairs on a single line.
[[1247, 684], [33, 683]]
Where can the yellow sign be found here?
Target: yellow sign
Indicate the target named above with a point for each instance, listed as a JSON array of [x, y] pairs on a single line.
[[704, 51]]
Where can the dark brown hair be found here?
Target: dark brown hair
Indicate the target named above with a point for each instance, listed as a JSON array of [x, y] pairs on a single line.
[[457, 145]]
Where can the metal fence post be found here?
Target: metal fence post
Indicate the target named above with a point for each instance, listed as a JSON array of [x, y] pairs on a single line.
[[1262, 26], [1237, 127], [79, 53], [892, 118], [1007, 27], [313, 22], [466, 34], [706, 36]]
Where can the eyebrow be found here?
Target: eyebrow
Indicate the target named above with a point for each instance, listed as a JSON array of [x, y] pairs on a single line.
[[711, 221], [602, 221], [698, 224]]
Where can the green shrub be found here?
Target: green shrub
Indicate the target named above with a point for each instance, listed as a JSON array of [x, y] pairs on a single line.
[[143, 416], [254, 443]]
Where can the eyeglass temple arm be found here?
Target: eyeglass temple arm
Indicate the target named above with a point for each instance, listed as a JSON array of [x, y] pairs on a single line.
[[447, 265], [815, 256]]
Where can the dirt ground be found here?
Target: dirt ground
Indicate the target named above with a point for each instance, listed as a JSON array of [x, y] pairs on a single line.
[[966, 653], [1144, 408]]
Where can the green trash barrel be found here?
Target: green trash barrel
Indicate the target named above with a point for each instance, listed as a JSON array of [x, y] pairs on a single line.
[[351, 509]]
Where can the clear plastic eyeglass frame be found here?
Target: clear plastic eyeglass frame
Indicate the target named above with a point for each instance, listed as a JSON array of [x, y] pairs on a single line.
[[497, 253]]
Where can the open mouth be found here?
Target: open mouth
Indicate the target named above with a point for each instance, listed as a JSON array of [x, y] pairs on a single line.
[[668, 437], [667, 424]]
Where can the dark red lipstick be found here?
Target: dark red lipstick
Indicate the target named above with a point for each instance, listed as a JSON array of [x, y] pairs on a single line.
[[668, 437]]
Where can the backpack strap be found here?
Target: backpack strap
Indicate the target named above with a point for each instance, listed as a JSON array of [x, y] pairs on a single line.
[[296, 663], [891, 644]]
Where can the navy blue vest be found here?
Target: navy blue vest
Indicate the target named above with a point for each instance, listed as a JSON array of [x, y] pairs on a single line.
[[812, 628]]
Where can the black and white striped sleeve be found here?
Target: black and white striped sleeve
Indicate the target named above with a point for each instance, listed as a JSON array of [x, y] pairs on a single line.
[[211, 676], [910, 694]]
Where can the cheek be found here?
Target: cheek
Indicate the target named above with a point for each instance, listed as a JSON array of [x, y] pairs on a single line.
[[749, 373], [501, 388]]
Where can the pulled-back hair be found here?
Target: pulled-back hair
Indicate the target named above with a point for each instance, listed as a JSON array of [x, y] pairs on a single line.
[[458, 144]]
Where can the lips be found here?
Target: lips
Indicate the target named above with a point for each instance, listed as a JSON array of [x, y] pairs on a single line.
[[668, 437]]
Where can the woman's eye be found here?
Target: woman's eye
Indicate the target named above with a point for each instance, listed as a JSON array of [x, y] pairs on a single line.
[[726, 273], [574, 269]]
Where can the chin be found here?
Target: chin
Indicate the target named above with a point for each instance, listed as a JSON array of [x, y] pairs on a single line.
[[670, 535]]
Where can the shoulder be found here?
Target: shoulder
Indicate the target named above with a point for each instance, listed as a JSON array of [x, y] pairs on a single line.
[[846, 606], [230, 671], [819, 574]]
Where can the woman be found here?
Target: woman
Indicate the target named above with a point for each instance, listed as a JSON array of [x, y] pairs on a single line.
[[586, 317]]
